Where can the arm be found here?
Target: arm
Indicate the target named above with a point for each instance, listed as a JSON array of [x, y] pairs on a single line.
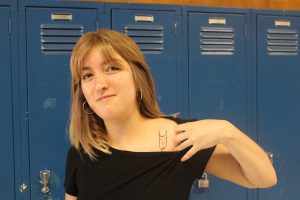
[[236, 158], [252, 167], [69, 197]]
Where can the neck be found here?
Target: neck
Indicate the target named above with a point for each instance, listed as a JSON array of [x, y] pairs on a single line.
[[122, 132]]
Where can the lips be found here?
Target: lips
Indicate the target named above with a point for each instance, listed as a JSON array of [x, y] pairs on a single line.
[[104, 97]]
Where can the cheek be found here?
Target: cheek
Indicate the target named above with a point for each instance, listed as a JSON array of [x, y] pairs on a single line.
[[85, 90], [126, 81], [129, 87]]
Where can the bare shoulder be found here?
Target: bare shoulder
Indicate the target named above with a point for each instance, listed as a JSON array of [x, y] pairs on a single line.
[[166, 132], [165, 124], [167, 121]]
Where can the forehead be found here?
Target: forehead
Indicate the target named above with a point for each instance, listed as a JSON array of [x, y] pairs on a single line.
[[102, 56], [94, 55]]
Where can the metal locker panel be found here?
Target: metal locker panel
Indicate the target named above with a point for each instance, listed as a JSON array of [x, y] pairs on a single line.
[[278, 97], [217, 80], [217, 66], [4, 2], [154, 32], [51, 35], [6, 116]]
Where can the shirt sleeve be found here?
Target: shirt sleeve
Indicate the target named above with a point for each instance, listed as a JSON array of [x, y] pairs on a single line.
[[70, 172], [198, 161]]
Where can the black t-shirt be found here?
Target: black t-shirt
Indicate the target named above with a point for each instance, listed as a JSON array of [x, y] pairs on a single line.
[[127, 175]]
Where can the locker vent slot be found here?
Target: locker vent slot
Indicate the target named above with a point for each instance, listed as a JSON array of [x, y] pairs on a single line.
[[216, 41], [282, 42], [59, 38], [150, 38]]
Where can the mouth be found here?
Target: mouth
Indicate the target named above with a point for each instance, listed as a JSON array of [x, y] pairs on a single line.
[[104, 97]]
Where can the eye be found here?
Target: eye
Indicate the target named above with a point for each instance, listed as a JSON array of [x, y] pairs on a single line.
[[86, 76], [111, 69]]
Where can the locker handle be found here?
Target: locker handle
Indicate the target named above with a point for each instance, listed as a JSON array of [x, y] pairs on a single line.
[[217, 20], [45, 177], [284, 23], [144, 18], [62, 16]]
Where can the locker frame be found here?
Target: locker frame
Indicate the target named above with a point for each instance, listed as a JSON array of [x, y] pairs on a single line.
[[13, 32], [157, 7], [8, 84], [24, 150], [255, 13], [16, 98], [250, 194], [11, 3]]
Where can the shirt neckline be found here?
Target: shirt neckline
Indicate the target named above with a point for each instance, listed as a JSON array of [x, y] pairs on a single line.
[[144, 153]]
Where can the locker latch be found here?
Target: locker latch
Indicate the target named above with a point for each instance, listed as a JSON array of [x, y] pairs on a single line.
[[45, 177]]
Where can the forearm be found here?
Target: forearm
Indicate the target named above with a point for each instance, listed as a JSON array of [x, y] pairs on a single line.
[[254, 162]]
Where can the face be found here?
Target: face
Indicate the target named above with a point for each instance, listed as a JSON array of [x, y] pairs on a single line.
[[108, 87]]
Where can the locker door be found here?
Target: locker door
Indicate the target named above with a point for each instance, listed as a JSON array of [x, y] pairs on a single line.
[[278, 97], [6, 117], [51, 35], [154, 32], [217, 80]]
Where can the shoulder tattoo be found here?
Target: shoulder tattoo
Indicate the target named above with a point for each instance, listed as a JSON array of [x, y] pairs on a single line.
[[162, 140]]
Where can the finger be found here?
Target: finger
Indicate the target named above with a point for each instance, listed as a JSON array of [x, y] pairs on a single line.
[[180, 138], [180, 128], [189, 154], [183, 145]]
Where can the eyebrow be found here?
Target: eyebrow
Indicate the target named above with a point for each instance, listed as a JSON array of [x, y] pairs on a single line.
[[102, 64], [85, 68]]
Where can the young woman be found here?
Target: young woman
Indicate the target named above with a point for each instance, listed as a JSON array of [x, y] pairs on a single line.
[[123, 147]]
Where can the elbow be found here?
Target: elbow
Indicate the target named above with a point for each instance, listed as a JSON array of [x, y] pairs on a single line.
[[267, 182], [274, 182], [270, 181]]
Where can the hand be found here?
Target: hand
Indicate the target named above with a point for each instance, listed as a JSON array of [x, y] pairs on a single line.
[[200, 135]]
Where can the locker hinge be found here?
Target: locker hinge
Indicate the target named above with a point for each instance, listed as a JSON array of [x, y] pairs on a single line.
[[246, 31], [175, 28], [9, 25], [97, 25], [26, 115]]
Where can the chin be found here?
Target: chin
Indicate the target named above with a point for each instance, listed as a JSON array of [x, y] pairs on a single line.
[[107, 115]]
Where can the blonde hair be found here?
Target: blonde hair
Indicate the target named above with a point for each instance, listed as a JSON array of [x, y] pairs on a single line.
[[87, 131]]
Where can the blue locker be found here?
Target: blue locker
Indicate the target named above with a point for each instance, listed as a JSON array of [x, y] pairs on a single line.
[[51, 35], [278, 97], [6, 116], [156, 33], [5, 2], [217, 80]]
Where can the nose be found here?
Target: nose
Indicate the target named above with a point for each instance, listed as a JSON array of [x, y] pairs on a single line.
[[101, 83]]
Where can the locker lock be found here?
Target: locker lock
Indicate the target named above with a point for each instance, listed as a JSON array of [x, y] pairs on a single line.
[[44, 180], [203, 182]]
